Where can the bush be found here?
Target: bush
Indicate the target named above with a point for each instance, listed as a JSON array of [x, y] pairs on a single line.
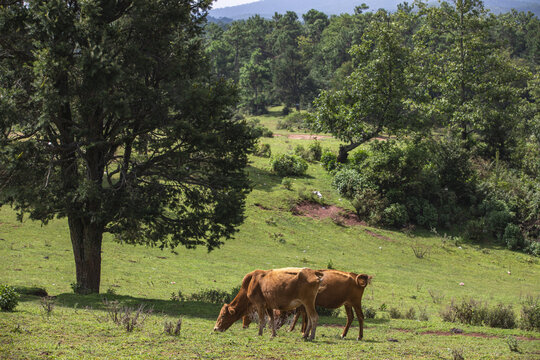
[[513, 238], [292, 121], [349, 182], [322, 311], [395, 215], [410, 314], [289, 165], [469, 311], [501, 317], [215, 296], [263, 150], [315, 151], [497, 216], [329, 160], [369, 205], [395, 313], [9, 298], [369, 312], [530, 314], [286, 183], [533, 248]]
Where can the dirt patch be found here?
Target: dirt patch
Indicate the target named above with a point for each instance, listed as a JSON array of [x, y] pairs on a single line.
[[473, 334], [378, 236], [304, 136], [338, 215]]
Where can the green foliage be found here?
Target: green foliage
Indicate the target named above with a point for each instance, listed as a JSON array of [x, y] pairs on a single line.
[[349, 182], [111, 118], [395, 313], [501, 316], [286, 183], [288, 165], [530, 314], [9, 298], [329, 160], [468, 311], [513, 238], [293, 121], [263, 150], [213, 296], [369, 205], [395, 215], [369, 312]]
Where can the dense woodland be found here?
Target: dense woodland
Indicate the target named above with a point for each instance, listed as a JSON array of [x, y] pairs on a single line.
[[454, 88]]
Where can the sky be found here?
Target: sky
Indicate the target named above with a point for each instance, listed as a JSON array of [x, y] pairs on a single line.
[[224, 3]]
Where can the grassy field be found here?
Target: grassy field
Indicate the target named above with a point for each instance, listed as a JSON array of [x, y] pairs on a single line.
[[32, 255]]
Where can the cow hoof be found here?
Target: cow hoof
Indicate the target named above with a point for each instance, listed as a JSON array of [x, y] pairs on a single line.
[[359, 338]]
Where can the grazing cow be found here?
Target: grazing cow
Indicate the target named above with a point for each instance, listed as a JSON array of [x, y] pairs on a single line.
[[281, 289], [340, 288]]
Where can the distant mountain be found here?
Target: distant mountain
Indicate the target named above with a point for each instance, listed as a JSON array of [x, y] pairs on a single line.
[[267, 8]]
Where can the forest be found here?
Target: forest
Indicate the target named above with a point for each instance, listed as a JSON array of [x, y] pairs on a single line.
[[453, 91]]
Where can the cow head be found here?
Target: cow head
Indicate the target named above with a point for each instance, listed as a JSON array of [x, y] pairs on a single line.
[[363, 280], [227, 316]]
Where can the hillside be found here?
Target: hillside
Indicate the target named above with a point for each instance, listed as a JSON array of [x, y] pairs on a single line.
[[267, 8], [272, 236]]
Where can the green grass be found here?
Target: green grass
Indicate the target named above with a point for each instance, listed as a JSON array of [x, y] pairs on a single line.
[[34, 255]]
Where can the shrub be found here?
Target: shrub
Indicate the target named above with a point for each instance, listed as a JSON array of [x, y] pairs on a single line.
[[513, 238], [395, 215], [292, 121], [289, 165], [329, 160], [369, 312], [530, 314], [286, 183], [475, 229], [468, 311], [322, 311], [533, 248], [314, 151], [410, 314], [263, 150], [369, 205], [497, 216], [9, 298], [501, 317], [395, 313], [358, 157], [172, 329], [349, 182]]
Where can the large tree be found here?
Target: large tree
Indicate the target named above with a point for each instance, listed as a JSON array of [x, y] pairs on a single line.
[[108, 118], [376, 97]]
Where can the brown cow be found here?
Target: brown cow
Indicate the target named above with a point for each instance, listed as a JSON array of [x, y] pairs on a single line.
[[340, 288], [281, 289]]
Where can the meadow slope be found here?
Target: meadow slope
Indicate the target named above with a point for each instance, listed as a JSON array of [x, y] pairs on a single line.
[[272, 236]]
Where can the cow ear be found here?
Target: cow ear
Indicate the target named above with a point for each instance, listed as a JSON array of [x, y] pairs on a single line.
[[363, 280], [232, 311]]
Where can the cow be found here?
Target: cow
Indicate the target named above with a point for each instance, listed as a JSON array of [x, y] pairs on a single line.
[[281, 289], [340, 288]]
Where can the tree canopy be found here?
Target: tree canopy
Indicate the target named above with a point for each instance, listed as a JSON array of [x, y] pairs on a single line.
[[109, 118]]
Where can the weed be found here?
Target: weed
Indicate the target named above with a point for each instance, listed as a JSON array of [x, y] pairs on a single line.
[[287, 183], [178, 296], [279, 237], [457, 354], [322, 311], [420, 250], [410, 314], [395, 313], [383, 307], [170, 328], [468, 311], [436, 297], [513, 344], [330, 265], [422, 314], [271, 221], [215, 296], [110, 291], [125, 316], [47, 304]]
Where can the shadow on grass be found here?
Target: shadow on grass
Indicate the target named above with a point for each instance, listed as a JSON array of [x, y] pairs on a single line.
[[265, 180], [167, 307]]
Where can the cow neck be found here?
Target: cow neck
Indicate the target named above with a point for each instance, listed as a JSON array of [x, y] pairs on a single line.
[[240, 303]]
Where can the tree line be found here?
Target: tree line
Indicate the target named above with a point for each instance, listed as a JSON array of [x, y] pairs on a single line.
[[454, 84]]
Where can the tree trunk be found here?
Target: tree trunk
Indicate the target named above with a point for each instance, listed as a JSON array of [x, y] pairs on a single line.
[[86, 239], [344, 152]]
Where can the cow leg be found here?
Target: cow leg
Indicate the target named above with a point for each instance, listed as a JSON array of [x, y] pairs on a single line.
[[272, 321], [262, 318], [313, 318], [350, 318], [246, 321], [360, 316], [295, 319]]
